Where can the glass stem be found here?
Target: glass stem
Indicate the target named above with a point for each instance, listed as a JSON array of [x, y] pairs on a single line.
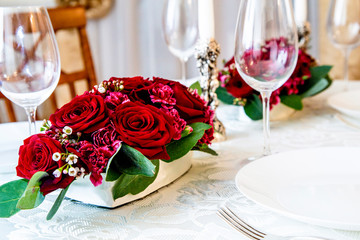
[[31, 114], [346, 67], [265, 95], [183, 69]]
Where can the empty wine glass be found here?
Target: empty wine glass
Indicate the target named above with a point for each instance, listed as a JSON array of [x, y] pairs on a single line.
[[180, 29], [266, 49], [343, 28], [29, 58]]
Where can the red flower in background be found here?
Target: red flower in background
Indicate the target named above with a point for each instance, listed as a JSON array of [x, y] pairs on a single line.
[[237, 87]]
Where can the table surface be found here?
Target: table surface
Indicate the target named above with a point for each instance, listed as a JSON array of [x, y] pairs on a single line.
[[186, 208]]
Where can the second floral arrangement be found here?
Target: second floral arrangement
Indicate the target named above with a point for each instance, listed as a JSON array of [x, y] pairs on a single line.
[[308, 79]]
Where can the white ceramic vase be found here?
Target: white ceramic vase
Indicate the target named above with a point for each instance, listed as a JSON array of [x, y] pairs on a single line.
[[82, 189]]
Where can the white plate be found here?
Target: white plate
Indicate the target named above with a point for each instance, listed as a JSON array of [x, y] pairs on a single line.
[[346, 102], [319, 186]]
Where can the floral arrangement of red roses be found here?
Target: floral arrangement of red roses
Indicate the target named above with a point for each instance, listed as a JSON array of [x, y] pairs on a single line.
[[308, 79], [123, 126]]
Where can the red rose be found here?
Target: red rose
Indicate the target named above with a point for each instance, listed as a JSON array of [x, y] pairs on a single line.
[[191, 107], [145, 128], [85, 113], [36, 155]]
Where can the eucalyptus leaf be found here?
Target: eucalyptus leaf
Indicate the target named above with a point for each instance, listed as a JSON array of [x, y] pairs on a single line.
[[178, 149], [253, 107], [57, 203], [130, 161], [196, 86], [32, 196], [10, 193], [133, 184], [293, 101], [224, 96]]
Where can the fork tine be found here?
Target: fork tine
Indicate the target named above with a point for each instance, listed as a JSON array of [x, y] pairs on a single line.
[[255, 231], [229, 219]]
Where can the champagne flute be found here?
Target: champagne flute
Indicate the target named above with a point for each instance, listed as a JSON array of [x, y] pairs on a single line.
[[343, 28], [266, 49], [29, 58], [180, 29]]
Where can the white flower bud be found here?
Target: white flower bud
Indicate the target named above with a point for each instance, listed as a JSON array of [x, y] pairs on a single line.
[[65, 171], [67, 130], [56, 156], [101, 89], [57, 173], [72, 172]]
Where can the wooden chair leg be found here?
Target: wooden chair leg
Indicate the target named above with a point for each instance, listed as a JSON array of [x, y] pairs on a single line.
[[10, 110]]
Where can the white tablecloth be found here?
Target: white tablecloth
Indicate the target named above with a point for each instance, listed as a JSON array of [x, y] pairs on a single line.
[[186, 209]]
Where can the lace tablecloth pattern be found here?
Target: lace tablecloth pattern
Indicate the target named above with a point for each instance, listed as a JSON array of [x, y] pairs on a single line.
[[186, 208]]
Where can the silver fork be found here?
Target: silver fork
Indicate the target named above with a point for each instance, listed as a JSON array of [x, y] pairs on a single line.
[[236, 222]]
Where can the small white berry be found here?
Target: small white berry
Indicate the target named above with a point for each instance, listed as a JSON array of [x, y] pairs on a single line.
[[56, 156], [67, 130], [72, 172], [57, 173], [101, 89]]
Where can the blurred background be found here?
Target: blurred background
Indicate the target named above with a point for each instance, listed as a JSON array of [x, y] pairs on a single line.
[[126, 40]]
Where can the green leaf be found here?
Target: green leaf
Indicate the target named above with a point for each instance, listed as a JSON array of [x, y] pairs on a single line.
[[224, 96], [253, 107], [206, 149], [178, 149], [112, 172], [10, 193], [196, 86], [133, 184], [130, 161], [293, 101], [32, 196], [57, 203], [314, 88], [319, 72]]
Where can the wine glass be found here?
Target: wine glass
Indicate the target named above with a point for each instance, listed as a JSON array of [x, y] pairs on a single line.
[[266, 49], [343, 28], [180, 29], [29, 58]]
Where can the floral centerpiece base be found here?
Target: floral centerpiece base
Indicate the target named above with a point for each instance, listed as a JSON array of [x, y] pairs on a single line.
[[82, 190]]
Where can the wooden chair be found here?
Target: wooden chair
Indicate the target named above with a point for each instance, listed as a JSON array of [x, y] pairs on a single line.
[[68, 18]]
